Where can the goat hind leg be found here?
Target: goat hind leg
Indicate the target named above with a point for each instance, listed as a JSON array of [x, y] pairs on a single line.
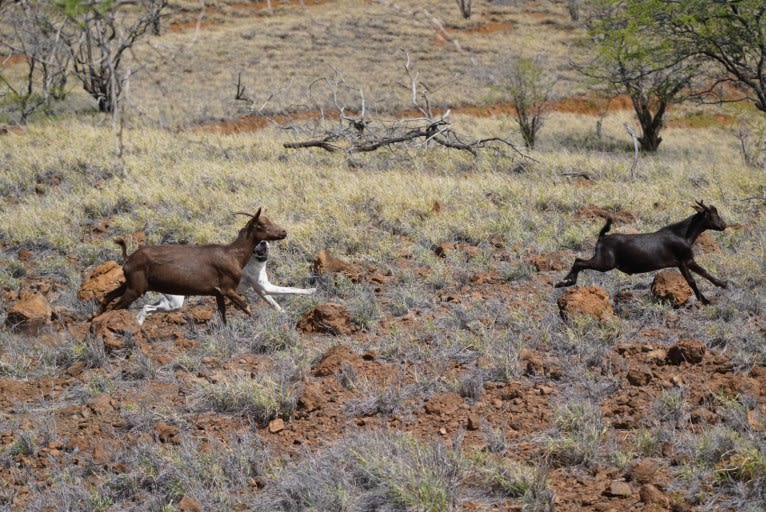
[[597, 262], [221, 306]]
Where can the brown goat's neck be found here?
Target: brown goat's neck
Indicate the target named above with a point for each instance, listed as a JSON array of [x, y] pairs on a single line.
[[242, 248]]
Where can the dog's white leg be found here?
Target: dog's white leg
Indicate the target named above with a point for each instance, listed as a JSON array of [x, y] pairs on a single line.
[[165, 303]]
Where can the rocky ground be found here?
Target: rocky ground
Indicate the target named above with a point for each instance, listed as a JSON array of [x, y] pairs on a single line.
[[90, 429]]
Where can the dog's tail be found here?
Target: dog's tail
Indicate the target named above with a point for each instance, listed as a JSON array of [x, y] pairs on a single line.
[[606, 227]]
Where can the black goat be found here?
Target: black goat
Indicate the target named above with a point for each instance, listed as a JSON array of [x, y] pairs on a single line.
[[670, 246]]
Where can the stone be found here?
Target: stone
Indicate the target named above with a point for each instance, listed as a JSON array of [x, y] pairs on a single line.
[[651, 495], [101, 280], [276, 425], [690, 351], [166, 433], [31, 312], [591, 301], [619, 489], [326, 263], [327, 319], [473, 422], [670, 286], [115, 327]]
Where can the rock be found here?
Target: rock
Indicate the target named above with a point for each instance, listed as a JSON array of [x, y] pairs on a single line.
[[473, 422], [276, 425], [311, 397], [327, 263], [101, 405], [334, 359], [166, 433], [103, 279], [638, 377], [643, 472], [651, 495], [670, 286], [588, 301], [31, 312], [115, 327], [189, 504], [690, 351], [619, 489], [326, 318], [444, 404], [706, 243]]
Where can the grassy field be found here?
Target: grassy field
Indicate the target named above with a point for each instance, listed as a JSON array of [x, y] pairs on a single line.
[[190, 417]]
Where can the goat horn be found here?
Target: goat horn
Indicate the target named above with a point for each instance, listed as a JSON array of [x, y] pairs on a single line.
[[244, 213]]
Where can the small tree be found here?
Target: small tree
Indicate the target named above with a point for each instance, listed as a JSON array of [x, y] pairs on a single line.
[[465, 8], [631, 57], [102, 31], [529, 89], [34, 32]]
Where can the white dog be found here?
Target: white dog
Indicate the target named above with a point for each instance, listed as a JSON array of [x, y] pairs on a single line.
[[253, 276]]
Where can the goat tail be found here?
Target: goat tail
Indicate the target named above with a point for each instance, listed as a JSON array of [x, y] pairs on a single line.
[[606, 227], [124, 246]]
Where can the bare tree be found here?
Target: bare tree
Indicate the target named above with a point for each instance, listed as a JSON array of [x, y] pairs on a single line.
[[35, 33], [102, 33], [465, 8]]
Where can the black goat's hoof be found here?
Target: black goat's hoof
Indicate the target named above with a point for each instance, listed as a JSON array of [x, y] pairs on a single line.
[[562, 284]]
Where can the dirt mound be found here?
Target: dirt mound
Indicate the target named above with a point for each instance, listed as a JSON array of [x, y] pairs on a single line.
[[100, 281], [590, 301], [670, 286]]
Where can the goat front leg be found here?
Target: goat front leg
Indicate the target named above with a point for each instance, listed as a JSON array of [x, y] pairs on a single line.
[[695, 267], [690, 280], [236, 299]]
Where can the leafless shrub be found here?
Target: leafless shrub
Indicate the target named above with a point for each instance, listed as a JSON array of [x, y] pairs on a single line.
[[35, 32], [359, 132], [527, 83]]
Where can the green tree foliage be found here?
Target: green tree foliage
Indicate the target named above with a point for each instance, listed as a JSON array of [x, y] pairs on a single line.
[[731, 34], [630, 56]]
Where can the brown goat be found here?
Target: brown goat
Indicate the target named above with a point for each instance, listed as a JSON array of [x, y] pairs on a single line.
[[193, 269]]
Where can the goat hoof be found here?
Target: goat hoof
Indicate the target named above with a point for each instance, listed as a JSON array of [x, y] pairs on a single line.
[[724, 284], [562, 284]]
